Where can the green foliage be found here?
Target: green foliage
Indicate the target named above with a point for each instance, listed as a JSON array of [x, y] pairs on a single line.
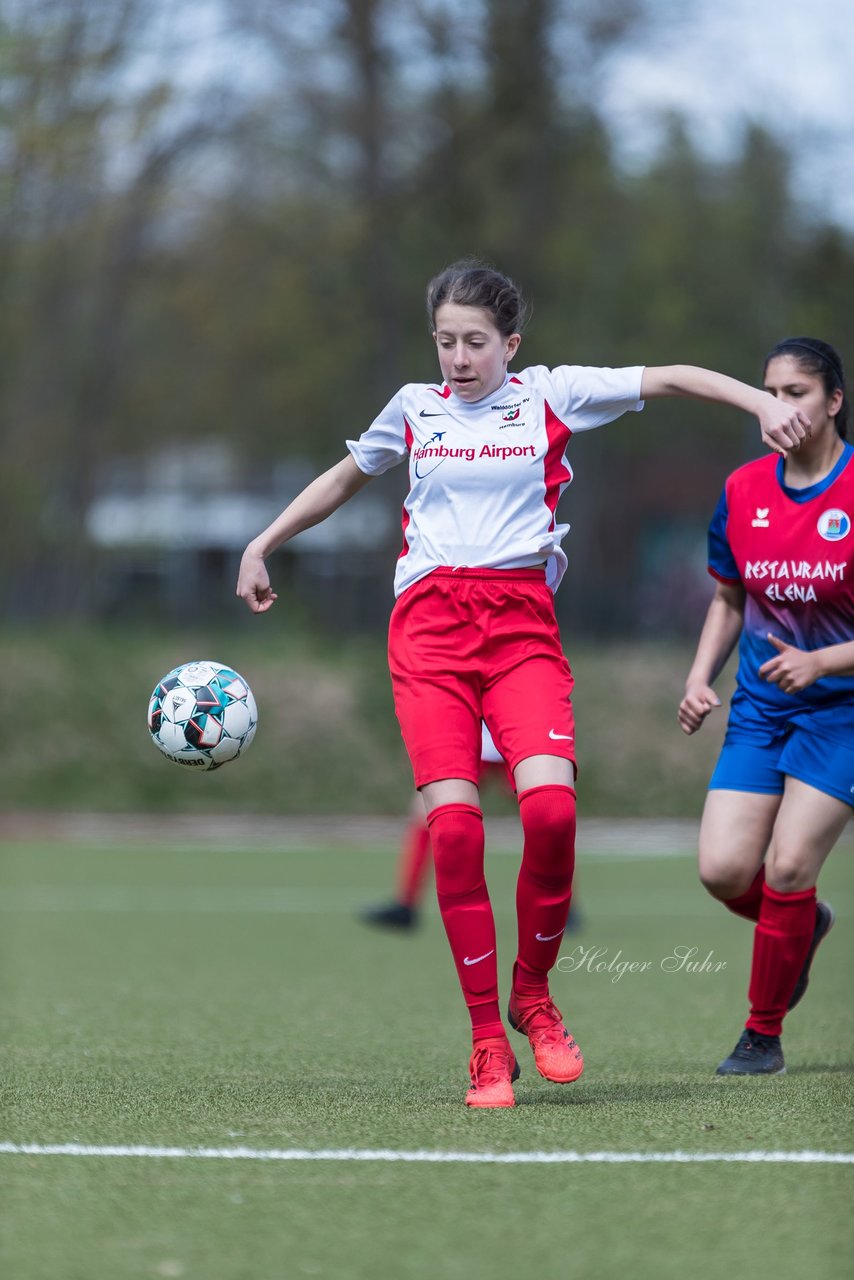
[[327, 741], [252, 266]]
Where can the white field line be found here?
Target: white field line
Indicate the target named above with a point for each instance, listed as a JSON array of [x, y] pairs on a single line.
[[290, 1155]]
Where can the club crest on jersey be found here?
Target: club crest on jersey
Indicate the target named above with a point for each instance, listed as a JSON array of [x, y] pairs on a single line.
[[834, 525], [760, 520]]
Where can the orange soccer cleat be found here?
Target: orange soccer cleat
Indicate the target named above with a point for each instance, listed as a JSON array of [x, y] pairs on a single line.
[[556, 1055], [493, 1068]]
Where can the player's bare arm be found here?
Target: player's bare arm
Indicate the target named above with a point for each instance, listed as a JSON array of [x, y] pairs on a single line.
[[718, 638], [795, 669], [316, 502], [783, 426]]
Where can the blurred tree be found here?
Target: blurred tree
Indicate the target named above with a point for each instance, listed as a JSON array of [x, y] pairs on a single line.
[[90, 159], [178, 263], [418, 132]]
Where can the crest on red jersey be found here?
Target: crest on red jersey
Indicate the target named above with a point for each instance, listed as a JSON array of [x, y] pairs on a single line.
[[834, 524]]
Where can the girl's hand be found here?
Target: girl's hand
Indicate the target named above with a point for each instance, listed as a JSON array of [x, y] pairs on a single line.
[[699, 700], [793, 669], [783, 426], [253, 583]]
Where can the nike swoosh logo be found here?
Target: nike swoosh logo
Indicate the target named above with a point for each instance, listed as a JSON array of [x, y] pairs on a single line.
[[424, 414], [551, 937], [557, 736], [478, 959]]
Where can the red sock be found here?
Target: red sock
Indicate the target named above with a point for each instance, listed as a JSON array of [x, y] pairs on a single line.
[[456, 834], [413, 862], [544, 887], [748, 903], [781, 942]]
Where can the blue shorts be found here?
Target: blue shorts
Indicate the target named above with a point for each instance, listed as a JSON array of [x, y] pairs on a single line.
[[749, 764]]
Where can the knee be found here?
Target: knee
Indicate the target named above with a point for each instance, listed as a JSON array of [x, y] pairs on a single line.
[[719, 887], [786, 873], [724, 881], [550, 830], [548, 814], [548, 823], [456, 838]]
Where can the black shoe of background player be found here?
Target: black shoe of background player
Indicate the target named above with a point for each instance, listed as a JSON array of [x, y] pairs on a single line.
[[824, 918], [390, 915], [575, 920], [754, 1055]]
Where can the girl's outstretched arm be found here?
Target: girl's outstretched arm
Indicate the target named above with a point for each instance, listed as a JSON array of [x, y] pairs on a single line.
[[317, 501], [782, 425]]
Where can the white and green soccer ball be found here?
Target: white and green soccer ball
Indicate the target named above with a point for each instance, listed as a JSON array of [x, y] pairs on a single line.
[[202, 714]]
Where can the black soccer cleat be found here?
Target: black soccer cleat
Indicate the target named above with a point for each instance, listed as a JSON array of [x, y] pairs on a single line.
[[575, 920], [824, 918], [390, 915], [754, 1055]]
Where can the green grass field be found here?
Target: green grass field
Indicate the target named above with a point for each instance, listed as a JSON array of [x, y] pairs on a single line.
[[222, 998]]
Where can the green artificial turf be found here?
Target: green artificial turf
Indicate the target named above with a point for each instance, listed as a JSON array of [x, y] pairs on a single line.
[[222, 998]]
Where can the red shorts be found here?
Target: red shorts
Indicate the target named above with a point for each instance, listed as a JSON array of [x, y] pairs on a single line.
[[467, 645]]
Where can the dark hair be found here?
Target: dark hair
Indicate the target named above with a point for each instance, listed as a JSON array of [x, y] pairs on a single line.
[[822, 360], [470, 283]]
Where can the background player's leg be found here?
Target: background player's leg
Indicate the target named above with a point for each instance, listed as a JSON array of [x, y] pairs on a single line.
[[413, 864], [734, 835], [414, 861], [807, 826]]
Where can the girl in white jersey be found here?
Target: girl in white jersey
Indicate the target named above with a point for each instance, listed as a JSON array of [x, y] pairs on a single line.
[[473, 635]]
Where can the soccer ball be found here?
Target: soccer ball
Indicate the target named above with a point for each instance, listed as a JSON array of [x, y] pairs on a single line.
[[202, 714]]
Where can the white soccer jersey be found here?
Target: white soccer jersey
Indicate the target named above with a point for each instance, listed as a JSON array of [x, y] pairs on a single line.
[[485, 478]]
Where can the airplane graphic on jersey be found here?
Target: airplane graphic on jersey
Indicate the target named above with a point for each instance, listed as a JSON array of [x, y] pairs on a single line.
[[495, 502]]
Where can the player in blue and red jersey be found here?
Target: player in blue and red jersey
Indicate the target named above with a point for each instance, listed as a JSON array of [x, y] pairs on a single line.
[[781, 546], [473, 636]]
